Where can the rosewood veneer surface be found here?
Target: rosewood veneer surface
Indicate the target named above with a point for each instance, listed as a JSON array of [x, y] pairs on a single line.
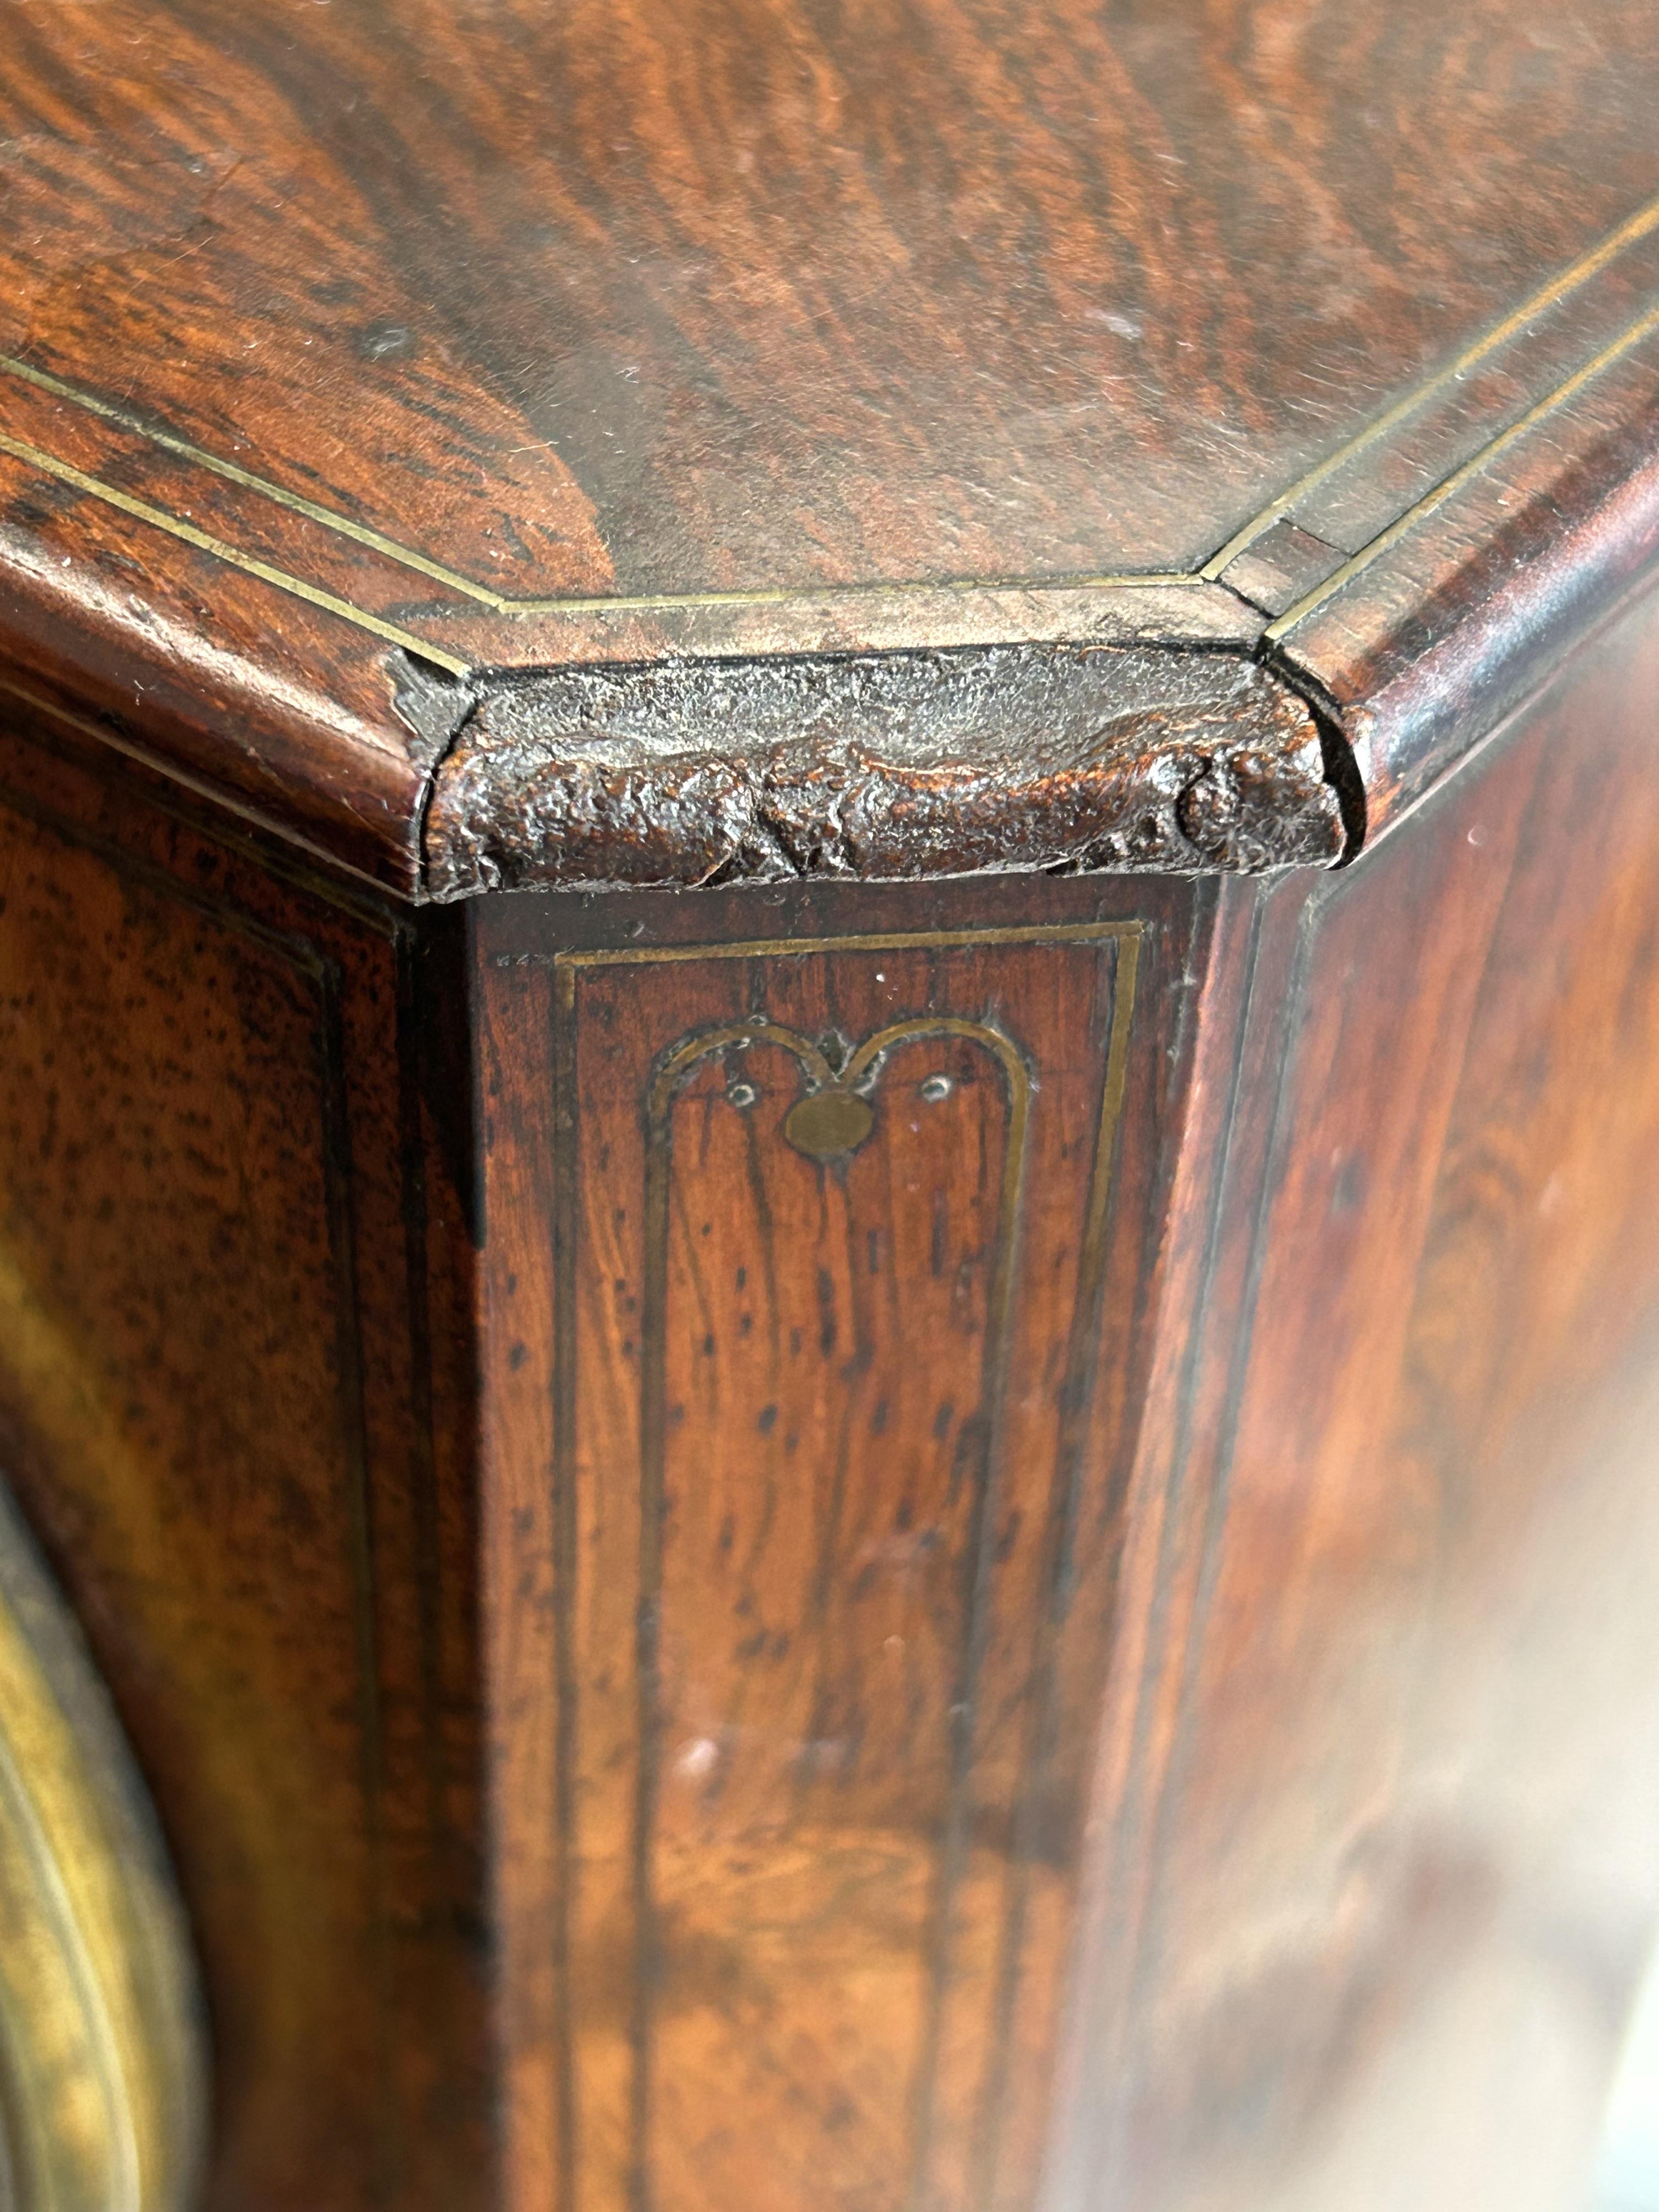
[[526, 340], [829, 1151]]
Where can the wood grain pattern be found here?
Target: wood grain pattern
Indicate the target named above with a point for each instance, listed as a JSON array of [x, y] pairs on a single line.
[[863, 1546], [706, 264], [1016, 1665], [1448, 627], [233, 1402], [1379, 1769], [1368, 1870], [817, 1624], [520, 341]]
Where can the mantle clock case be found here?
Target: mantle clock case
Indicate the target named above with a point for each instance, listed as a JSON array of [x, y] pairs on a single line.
[[829, 1103]]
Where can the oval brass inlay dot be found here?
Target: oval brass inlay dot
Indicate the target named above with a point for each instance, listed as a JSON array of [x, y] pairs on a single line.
[[828, 1122]]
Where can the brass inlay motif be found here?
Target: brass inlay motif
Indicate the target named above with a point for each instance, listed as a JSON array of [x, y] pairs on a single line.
[[100, 2068], [1123, 939], [826, 1124]]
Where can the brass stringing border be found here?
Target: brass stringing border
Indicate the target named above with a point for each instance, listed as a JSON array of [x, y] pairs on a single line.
[[101, 2091], [668, 1070], [1636, 227], [865, 1061]]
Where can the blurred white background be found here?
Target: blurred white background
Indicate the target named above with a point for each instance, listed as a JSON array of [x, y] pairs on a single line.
[[1628, 2177]]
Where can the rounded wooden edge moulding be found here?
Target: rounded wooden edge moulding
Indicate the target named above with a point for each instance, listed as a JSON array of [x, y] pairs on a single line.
[[682, 573], [102, 2072]]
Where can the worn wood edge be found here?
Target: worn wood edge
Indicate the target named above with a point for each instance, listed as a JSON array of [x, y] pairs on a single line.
[[435, 782], [883, 767], [1211, 791], [1466, 608], [331, 766], [879, 617], [775, 616]]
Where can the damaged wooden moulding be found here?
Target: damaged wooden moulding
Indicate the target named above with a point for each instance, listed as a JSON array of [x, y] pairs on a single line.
[[1037, 757], [829, 1163]]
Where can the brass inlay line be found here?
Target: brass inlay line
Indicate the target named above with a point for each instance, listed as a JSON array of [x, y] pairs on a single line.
[[127, 419], [979, 1538], [503, 603], [1077, 1404], [1042, 932], [1644, 222], [51, 466], [1644, 327], [1547, 295], [668, 1071]]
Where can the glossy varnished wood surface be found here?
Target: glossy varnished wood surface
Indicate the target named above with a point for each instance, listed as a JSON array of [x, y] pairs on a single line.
[[1367, 1878], [1088, 1639], [1091, 1644], [1382, 1757], [519, 339], [776, 296], [232, 1401], [795, 1662]]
